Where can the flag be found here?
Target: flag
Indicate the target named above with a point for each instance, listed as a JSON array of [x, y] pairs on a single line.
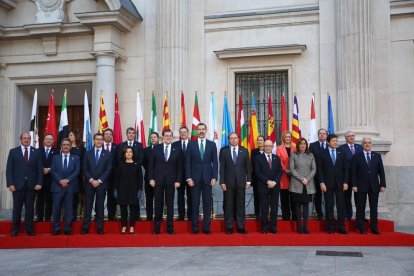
[[313, 136], [253, 128], [212, 120], [87, 134], [241, 125], [227, 126], [139, 123], [271, 131], [165, 115], [117, 122], [196, 119], [51, 118], [183, 120], [331, 127], [153, 122], [63, 124], [103, 120], [284, 126], [295, 122], [33, 124]]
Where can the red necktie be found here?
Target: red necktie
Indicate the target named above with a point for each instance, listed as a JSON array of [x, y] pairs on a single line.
[[26, 155], [269, 160], [107, 148]]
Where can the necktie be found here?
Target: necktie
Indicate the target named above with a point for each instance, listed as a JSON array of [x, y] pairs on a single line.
[[47, 153], [107, 148], [322, 146], [26, 155], [352, 150], [368, 159], [333, 156], [201, 149], [234, 156], [184, 147], [269, 160], [97, 157], [166, 153], [65, 163]]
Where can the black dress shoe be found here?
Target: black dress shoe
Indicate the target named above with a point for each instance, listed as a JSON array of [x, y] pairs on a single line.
[[264, 231], [331, 232], [31, 233], [100, 232], [375, 232], [180, 218], [342, 231], [68, 233], [273, 231], [229, 231], [171, 232], [348, 219], [242, 231], [207, 232], [55, 233], [306, 231], [14, 233], [194, 232], [111, 219], [84, 232], [156, 232], [362, 231], [320, 218]]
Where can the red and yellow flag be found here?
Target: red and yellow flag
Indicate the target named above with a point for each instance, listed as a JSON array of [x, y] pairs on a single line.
[[165, 115], [183, 120], [271, 131], [253, 128], [103, 120]]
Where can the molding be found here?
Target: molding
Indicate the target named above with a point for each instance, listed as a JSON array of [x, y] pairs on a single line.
[[295, 49], [121, 19], [109, 53], [52, 29], [8, 4], [401, 7], [50, 45]]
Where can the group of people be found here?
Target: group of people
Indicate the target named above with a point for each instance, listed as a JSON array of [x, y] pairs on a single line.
[[70, 176]]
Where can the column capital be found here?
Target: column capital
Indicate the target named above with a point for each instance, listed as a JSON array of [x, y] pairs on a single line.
[[109, 53]]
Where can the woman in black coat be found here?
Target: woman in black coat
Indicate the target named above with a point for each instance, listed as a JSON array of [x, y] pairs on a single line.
[[128, 179], [79, 150]]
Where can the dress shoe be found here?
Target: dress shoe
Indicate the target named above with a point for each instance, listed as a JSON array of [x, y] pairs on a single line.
[[55, 233], [31, 233], [14, 233], [362, 231], [320, 218], [111, 219], [180, 218], [348, 219], [131, 230], [342, 231], [100, 232], [273, 231], [156, 232], [375, 232], [242, 231], [264, 231], [194, 232], [207, 232], [68, 233], [84, 232], [171, 232], [331, 232], [229, 231], [306, 230], [38, 220]]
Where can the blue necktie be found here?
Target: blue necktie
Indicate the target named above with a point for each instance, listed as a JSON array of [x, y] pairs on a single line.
[[184, 147], [65, 163], [368, 159], [166, 154], [97, 157], [234, 156], [47, 153], [333, 156]]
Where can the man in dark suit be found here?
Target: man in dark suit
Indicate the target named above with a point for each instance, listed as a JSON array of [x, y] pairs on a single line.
[[97, 166], [334, 178], [256, 152], [24, 176], [165, 173], [350, 149], [65, 171], [111, 148], [235, 178], [44, 197], [149, 190], [368, 179], [201, 170], [268, 172], [138, 153], [184, 189], [316, 148]]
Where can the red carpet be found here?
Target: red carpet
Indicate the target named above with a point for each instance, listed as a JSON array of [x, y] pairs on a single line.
[[143, 237]]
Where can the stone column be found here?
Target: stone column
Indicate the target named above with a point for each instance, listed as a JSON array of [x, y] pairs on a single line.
[[172, 47], [354, 57]]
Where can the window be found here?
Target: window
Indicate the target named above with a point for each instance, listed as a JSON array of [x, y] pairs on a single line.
[[260, 84]]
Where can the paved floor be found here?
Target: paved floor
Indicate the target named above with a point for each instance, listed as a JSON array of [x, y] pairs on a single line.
[[207, 261]]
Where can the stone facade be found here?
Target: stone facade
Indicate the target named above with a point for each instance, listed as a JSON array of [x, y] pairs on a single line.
[[360, 52]]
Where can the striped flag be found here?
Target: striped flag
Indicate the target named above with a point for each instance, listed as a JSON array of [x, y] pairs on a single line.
[[63, 124], [153, 122], [139, 123], [196, 119], [253, 128], [87, 134], [271, 131], [284, 126], [103, 120], [212, 120], [295, 122], [313, 136], [51, 118], [165, 115], [183, 120], [241, 125], [331, 127], [227, 126], [117, 122], [33, 124]]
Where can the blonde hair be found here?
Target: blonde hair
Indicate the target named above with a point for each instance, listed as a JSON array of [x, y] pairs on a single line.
[[282, 140]]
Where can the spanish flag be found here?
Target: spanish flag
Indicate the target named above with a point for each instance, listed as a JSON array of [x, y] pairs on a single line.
[[253, 128], [165, 115], [103, 120]]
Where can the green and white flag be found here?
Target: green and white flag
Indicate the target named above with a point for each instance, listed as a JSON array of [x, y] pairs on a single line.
[[153, 123]]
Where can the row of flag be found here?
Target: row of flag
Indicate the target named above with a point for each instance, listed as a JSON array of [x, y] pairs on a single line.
[[248, 134]]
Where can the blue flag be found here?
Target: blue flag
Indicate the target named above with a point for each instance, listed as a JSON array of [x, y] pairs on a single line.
[[331, 127], [227, 126]]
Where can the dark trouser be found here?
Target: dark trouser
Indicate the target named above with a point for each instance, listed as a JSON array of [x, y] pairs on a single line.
[[183, 190], [317, 199], [338, 193], [111, 202], [287, 205], [302, 210], [348, 203], [59, 198], [373, 209], [236, 195], [24, 196], [149, 200], [132, 215], [78, 198], [99, 207], [204, 190], [164, 191], [269, 198], [256, 199], [44, 199]]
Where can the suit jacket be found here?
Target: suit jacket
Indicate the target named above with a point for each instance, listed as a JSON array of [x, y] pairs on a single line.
[[146, 160], [197, 168], [71, 173], [264, 173], [348, 153], [364, 176], [234, 174], [47, 163], [114, 158], [17, 171], [178, 146], [160, 170], [101, 171], [255, 152], [138, 152], [302, 165], [330, 174], [284, 160]]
